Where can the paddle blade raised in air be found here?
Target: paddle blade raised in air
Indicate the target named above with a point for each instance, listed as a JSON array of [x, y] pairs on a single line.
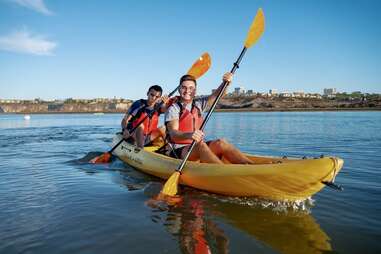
[[201, 66], [256, 29]]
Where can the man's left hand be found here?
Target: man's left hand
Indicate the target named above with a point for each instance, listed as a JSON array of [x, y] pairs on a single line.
[[228, 77]]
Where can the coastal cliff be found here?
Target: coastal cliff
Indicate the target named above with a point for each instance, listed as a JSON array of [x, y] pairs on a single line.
[[260, 103], [63, 107], [229, 103]]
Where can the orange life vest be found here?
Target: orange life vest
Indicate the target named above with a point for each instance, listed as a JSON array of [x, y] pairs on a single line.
[[189, 121], [150, 123]]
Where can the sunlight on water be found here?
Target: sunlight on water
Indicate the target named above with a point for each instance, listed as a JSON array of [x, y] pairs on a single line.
[[276, 206]]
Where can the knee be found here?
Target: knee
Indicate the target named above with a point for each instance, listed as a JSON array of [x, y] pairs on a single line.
[[221, 143], [202, 145], [139, 130]]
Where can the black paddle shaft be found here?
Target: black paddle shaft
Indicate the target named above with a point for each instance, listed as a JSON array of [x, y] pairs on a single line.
[[225, 84], [157, 107]]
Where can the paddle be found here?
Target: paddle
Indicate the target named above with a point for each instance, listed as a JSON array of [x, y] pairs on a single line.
[[255, 32], [198, 69]]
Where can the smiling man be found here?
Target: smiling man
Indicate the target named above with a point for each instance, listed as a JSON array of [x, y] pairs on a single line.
[[148, 130], [183, 120]]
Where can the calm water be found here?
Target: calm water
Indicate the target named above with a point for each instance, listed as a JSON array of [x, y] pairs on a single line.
[[52, 203]]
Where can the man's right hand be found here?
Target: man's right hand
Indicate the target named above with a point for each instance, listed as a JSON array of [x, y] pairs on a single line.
[[126, 134], [198, 135], [165, 99]]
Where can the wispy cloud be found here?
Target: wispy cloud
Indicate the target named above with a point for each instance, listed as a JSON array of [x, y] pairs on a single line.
[[36, 5], [24, 42]]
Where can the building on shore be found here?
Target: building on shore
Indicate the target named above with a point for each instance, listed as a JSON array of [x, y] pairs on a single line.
[[299, 94], [239, 90], [286, 94], [273, 92], [250, 92], [329, 92]]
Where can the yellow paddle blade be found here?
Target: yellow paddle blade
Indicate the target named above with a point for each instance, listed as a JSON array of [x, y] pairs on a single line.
[[170, 187], [201, 66], [170, 200], [256, 29]]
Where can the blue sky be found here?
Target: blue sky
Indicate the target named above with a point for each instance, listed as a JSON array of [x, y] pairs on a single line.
[[89, 49]]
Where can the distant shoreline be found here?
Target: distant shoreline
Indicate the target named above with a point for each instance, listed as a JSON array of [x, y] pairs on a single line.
[[296, 109], [216, 110], [227, 104]]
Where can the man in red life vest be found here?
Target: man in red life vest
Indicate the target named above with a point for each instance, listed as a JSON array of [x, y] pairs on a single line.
[[183, 120], [148, 130]]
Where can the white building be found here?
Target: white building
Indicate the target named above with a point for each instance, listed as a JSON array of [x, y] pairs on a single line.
[[329, 92], [273, 92], [239, 90], [299, 94], [286, 94]]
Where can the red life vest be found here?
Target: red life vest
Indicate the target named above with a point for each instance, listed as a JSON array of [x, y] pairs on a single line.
[[150, 123], [189, 121]]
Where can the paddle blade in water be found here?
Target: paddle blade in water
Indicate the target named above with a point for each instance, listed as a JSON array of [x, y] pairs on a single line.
[[201, 66], [256, 29], [169, 200], [104, 158], [170, 187]]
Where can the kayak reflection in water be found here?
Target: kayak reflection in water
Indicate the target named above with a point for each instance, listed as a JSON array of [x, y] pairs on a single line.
[[194, 221], [287, 232], [200, 235], [183, 120], [196, 233]]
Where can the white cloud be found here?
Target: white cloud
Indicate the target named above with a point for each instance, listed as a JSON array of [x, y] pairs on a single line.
[[36, 5], [24, 42]]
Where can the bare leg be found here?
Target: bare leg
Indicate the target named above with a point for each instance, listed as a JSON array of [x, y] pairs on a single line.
[[139, 136], [203, 153], [221, 148], [157, 136], [159, 132]]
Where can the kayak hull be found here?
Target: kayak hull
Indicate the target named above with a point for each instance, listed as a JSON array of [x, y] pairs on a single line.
[[273, 178]]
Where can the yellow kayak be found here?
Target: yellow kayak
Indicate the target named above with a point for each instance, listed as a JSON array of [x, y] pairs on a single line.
[[274, 178]]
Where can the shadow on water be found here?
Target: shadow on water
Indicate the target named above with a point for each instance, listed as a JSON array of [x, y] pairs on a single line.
[[120, 172], [199, 223]]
